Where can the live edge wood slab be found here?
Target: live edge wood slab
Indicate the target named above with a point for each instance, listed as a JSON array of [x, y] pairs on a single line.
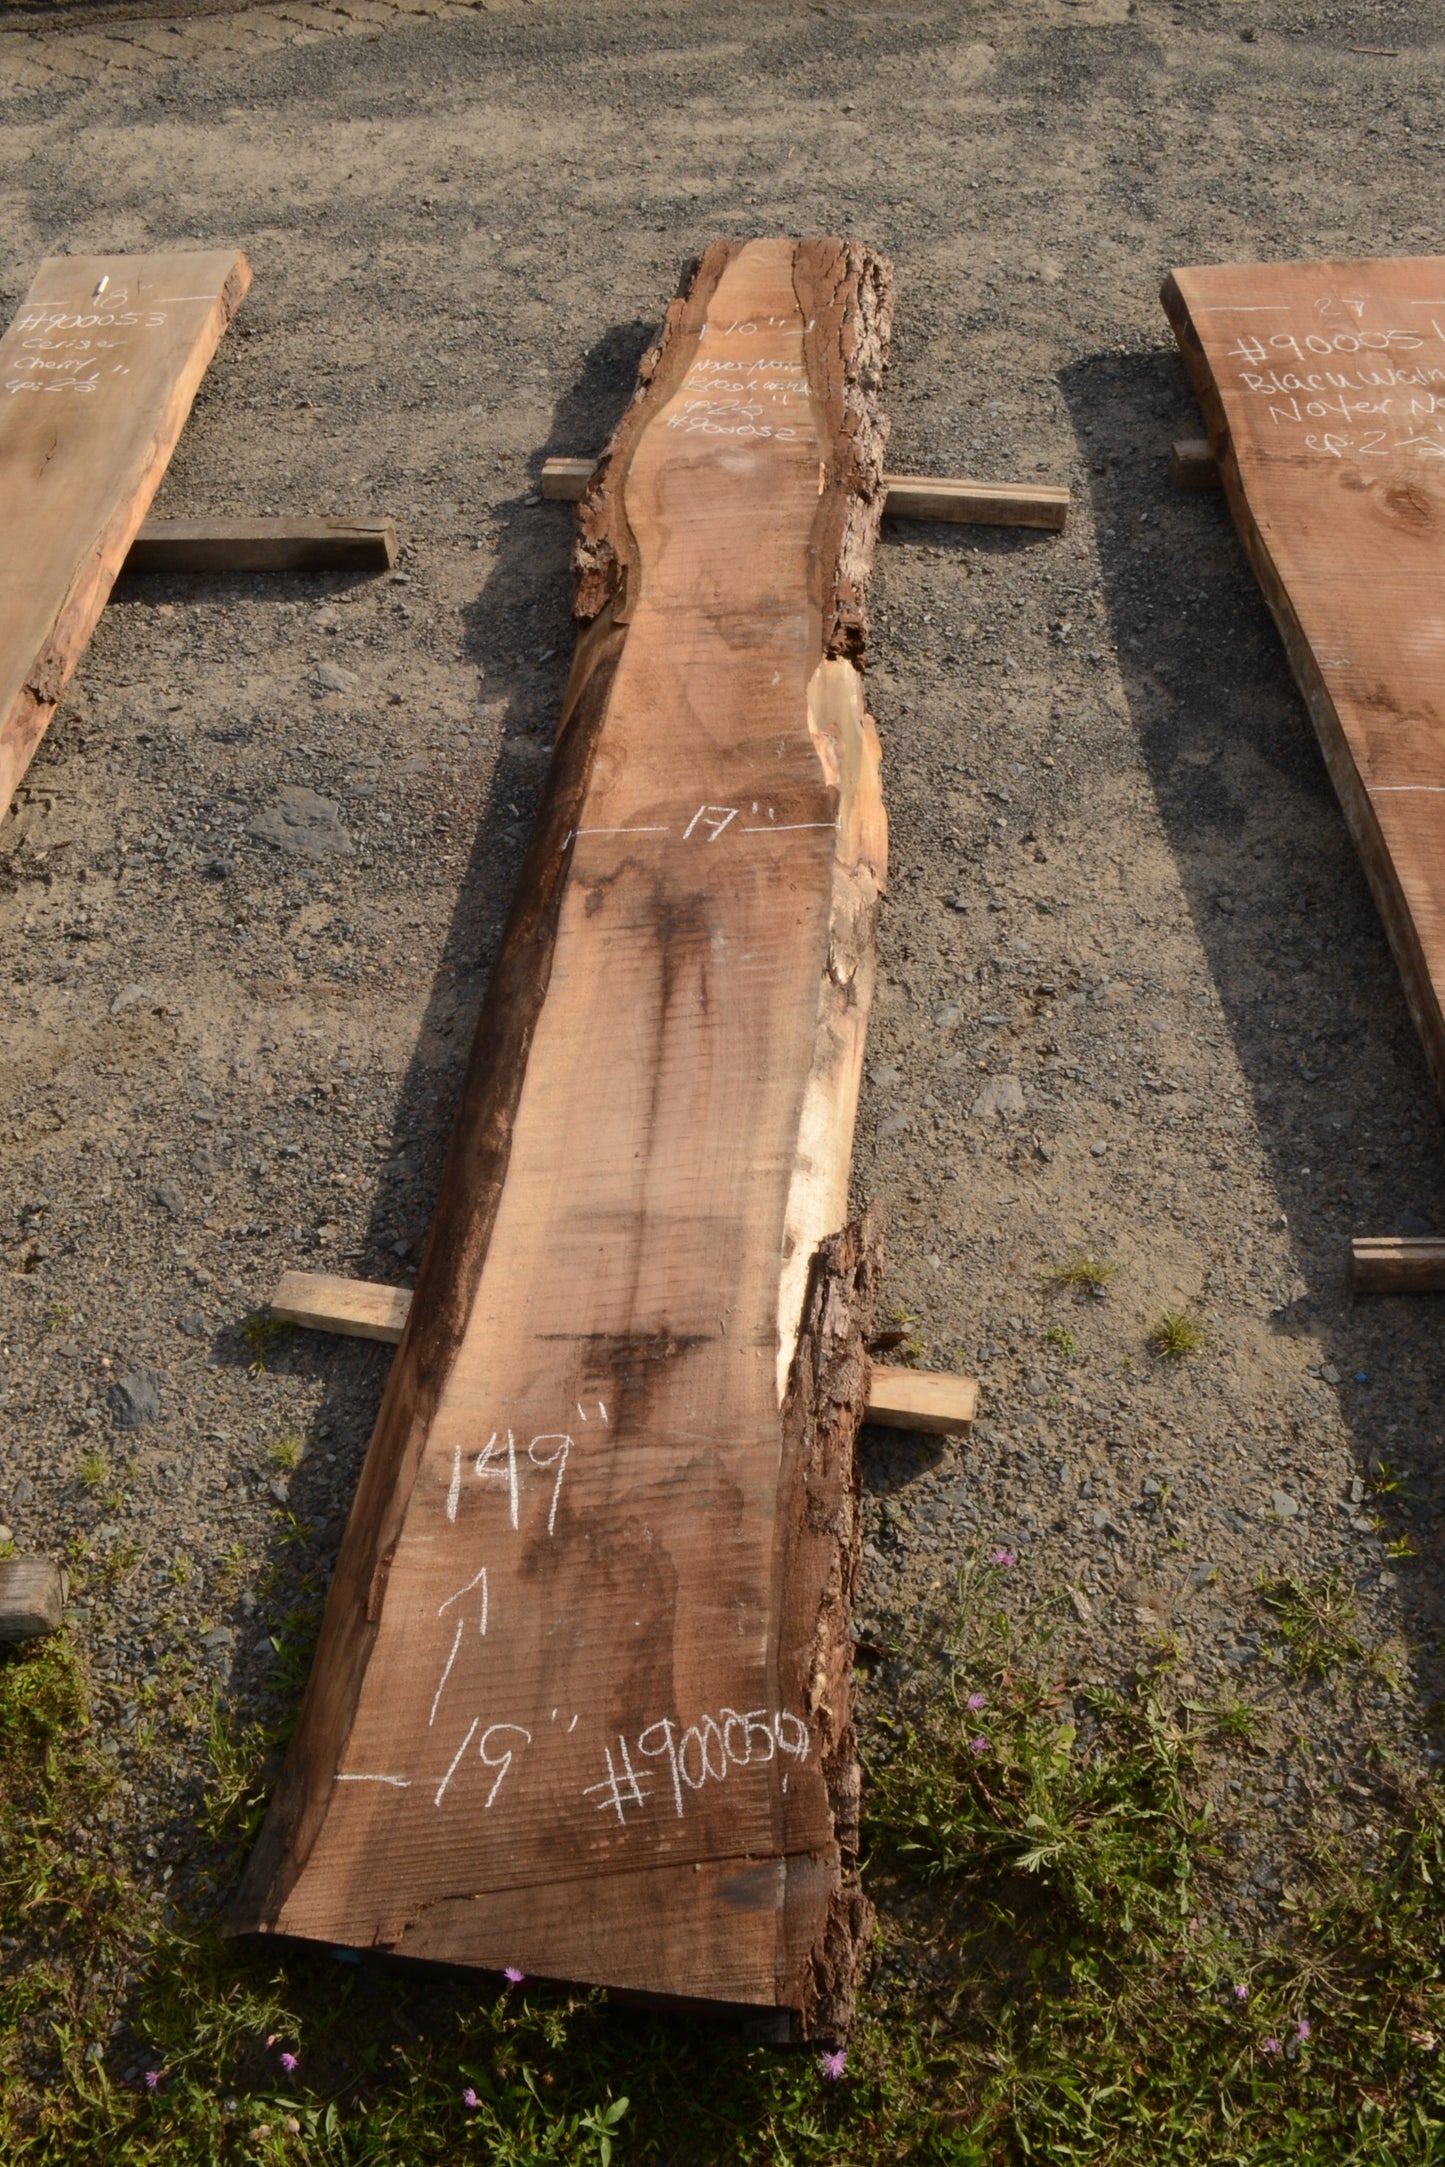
[[1323, 388], [97, 375], [582, 1697], [897, 1398]]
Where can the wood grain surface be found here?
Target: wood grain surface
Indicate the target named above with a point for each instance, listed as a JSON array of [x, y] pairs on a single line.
[[582, 1698], [97, 375], [1323, 387]]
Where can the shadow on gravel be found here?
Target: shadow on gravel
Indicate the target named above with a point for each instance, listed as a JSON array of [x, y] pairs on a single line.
[[1342, 1100]]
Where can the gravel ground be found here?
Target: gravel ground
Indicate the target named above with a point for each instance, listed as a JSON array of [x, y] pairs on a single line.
[[1135, 998]]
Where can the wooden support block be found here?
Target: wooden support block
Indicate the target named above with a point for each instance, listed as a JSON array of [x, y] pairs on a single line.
[[97, 374], [978, 504], [32, 1597], [900, 1399], [582, 1695], [565, 480], [325, 1302], [1397, 1264], [263, 545], [920, 1399], [909, 496], [1192, 465]]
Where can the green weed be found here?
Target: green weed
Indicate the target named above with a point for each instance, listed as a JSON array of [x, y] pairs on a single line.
[[1316, 1620], [1059, 1335], [994, 1783], [1228, 1718], [230, 1568], [1084, 1274], [57, 1316], [897, 1338], [260, 1334], [1177, 1334], [116, 1563], [286, 1451], [90, 1468]]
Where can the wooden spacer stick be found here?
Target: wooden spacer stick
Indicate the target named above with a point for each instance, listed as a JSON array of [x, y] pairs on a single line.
[[32, 1597], [1192, 465], [1397, 1264], [900, 1399], [910, 496], [263, 545]]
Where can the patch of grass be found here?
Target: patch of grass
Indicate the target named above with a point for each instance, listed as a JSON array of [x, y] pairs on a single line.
[[260, 1334], [105, 1990], [1228, 1718], [117, 1562], [90, 1468], [897, 1337], [1084, 1274], [286, 1451], [1059, 1335], [1316, 1620], [994, 1784], [230, 1568], [1178, 1334], [57, 1316], [1093, 2014], [1064, 2001]]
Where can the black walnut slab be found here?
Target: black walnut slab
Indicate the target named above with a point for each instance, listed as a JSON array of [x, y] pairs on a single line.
[[97, 375], [1323, 388], [582, 1699]]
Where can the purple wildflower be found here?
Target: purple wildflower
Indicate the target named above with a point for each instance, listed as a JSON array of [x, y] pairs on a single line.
[[976, 1701], [1302, 2029], [978, 1745], [289, 2062], [1241, 1992], [833, 2065], [469, 2098], [153, 2078], [1002, 1557], [1271, 2046], [513, 1976]]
